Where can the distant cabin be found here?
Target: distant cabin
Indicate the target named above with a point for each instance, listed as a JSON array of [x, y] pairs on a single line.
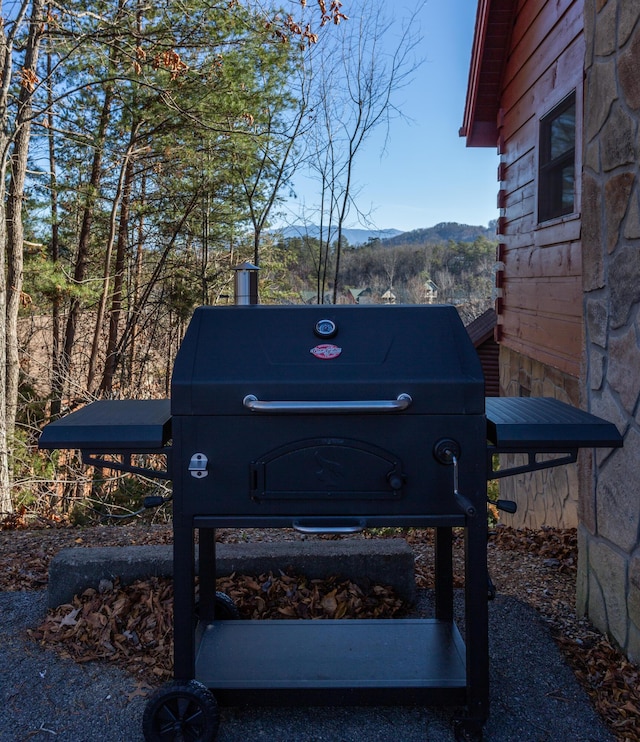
[[361, 296], [431, 291], [311, 297]]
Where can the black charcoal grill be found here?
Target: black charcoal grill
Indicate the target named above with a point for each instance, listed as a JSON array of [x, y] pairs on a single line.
[[327, 419]]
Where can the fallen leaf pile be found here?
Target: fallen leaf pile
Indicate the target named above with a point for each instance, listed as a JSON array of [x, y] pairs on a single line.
[[559, 547], [294, 596], [612, 683], [132, 625], [544, 576], [25, 553]]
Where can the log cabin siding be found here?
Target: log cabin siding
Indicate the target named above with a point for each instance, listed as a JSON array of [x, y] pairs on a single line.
[[489, 354], [541, 307], [481, 332]]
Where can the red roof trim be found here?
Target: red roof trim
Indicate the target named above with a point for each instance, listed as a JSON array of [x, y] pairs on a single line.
[[494, 21]]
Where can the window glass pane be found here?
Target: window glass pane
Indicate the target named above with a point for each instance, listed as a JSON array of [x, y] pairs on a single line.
[[563, 132], [556, 174], [567, 189]]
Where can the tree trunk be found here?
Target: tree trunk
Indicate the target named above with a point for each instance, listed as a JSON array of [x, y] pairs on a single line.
[[82, 257], [106, 385], [118, 201], [6, 504], [15, 231], [54, 251], [137, 281], [133, 318], [7, 41]]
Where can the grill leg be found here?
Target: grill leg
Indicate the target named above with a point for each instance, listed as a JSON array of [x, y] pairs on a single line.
[[477, 621], [444, 573], [183, 603], [207, 563]]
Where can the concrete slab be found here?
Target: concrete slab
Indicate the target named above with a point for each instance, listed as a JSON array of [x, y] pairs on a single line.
[[384, 561]]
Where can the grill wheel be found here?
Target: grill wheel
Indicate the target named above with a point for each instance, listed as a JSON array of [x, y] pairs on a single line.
[[225, 608], [181, 712]]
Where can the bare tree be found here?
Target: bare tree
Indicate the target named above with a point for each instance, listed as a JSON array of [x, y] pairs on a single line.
[[359, 76]]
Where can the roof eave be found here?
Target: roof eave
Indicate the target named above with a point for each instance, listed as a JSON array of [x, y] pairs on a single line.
[[483, 89]]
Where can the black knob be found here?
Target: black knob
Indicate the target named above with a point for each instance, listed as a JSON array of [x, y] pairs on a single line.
[[445, 449], [509, 506], [395, 480]]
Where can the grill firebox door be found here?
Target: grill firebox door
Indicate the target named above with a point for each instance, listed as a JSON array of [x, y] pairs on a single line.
[[327, 469]]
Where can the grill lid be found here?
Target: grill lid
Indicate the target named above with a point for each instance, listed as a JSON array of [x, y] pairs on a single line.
[[326, 353]]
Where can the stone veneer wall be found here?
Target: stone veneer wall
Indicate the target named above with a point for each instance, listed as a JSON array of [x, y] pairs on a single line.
[[548, 497], [609, 562]]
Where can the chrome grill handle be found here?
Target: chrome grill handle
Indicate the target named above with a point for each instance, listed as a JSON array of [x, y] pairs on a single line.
[[402, 402]]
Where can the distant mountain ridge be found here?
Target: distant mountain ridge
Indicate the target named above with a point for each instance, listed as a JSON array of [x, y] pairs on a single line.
[[442, 232], [353, 236]]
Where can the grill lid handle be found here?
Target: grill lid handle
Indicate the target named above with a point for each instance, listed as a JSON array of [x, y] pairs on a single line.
[[251, 402]]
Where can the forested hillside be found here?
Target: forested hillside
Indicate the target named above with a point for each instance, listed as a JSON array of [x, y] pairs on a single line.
[[443, 232], [461, 271]]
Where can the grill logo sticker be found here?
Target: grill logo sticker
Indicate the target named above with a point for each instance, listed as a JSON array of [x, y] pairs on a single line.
[[326, 351]]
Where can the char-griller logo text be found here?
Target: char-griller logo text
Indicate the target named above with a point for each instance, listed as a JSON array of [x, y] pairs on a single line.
[[326, 351]]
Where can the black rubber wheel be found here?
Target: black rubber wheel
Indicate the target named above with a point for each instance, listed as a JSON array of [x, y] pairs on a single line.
[[225, 608], [181, 712]]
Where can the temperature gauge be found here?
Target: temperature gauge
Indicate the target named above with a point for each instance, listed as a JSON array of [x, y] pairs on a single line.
[[325, 328]]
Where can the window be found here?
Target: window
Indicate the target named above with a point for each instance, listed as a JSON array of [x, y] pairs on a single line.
[[556, 176]]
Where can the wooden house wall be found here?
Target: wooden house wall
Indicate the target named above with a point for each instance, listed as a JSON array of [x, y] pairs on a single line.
[[541, 305]]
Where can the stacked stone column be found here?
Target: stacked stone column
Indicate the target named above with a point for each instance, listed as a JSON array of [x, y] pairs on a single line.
[[609, 504]]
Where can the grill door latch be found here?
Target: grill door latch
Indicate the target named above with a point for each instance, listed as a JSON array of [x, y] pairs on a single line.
[[198, 466]]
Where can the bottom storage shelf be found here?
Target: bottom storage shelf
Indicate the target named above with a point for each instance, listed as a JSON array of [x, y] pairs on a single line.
[[335, 661]]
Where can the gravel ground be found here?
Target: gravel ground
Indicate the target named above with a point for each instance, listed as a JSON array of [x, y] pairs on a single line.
[[534, 695]]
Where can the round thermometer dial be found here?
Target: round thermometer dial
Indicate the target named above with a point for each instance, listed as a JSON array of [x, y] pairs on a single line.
[[325, 328]]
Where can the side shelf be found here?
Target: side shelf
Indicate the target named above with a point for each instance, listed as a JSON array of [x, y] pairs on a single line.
[[112, 425], [539, 426], [115, 427], [545, 424]]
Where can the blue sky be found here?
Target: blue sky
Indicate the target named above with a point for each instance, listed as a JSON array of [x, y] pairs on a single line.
[[427, 174]]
